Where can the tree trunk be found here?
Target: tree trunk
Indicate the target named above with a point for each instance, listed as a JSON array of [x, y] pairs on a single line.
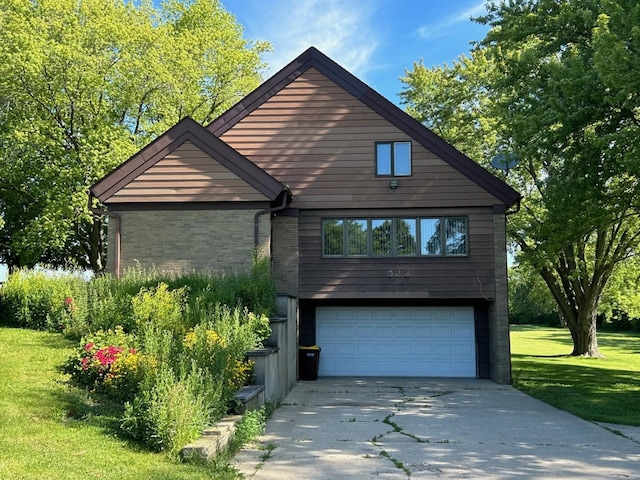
[[583, 332], [96, 251]]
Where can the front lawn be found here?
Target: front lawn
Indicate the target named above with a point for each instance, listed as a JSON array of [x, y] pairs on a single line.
[[597, 389], [51, 430]]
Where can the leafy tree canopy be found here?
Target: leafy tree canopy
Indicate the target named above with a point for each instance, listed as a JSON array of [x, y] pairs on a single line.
[[83, 85], [555, 83]]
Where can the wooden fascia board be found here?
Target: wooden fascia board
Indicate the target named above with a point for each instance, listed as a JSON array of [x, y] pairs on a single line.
[[390, 112], [187, 130]]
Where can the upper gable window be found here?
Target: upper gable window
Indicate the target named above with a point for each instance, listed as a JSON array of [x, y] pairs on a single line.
[[393, 159]]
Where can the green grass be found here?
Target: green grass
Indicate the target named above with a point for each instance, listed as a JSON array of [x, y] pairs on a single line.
[[597, 389], [50, 430]]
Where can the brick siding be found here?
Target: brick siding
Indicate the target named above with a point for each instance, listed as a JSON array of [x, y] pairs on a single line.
[[184, 241], [500, 356]]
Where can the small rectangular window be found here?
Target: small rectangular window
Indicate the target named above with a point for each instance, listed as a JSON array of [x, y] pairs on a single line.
[[381, 230], [406, 236], [456, 236], [383, 159], [393, 159], [333, 237], [357, 237], [430, 238], [402, 159]]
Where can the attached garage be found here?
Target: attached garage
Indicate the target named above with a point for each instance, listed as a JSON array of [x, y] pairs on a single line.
[[396, 341]]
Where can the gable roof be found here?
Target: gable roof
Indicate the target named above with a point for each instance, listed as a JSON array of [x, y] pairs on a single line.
[[313, 58], [187, 130]]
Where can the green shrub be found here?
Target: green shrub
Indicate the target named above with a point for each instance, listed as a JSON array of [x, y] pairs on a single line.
[[170, 412], [46, 300], [250, 427], [161, 307]]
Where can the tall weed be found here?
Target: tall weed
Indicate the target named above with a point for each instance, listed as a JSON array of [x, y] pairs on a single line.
[[170, 413], [45, 300], [161, 307]]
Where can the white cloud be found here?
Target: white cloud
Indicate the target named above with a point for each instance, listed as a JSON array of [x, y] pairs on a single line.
[[340, 29], [448, 25]]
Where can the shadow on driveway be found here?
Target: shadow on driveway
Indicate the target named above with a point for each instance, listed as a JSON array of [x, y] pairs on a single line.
[[399, 428]]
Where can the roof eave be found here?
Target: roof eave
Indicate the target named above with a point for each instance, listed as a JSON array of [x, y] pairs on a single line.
[[186, 130]]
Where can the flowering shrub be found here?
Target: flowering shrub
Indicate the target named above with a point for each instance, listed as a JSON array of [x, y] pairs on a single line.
[[108, 364]]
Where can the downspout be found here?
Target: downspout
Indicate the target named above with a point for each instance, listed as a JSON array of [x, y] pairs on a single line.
[[256, 219], [511, 212], [116, 224]]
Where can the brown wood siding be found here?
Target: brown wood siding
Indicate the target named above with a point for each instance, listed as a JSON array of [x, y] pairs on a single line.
[[320, 140], [470, 277], [187, 175]]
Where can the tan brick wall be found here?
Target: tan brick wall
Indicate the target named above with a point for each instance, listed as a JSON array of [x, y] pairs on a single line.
[[285, 254], [500, 355], [213, 241]]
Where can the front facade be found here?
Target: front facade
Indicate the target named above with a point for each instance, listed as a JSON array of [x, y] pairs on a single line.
[[392, 240]]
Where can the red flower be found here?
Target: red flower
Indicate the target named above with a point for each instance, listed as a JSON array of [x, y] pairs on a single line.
[[85, 363], [107, 355], [89, 346], [68, 300]]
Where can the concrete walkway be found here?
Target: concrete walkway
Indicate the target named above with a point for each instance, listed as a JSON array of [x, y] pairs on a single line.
[[401, 428]]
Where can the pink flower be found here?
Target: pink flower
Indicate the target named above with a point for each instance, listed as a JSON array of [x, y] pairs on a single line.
[[89, 346], [107, 355], [85, 363], [133, 351], [68, 300]]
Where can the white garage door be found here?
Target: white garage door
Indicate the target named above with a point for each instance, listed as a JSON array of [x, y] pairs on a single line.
[[396, 341]]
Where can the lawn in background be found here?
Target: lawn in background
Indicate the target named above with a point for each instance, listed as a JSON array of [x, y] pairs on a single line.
[[50, 430], [597, 389]]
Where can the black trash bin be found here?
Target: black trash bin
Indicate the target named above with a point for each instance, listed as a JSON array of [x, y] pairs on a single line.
[[309, 360]]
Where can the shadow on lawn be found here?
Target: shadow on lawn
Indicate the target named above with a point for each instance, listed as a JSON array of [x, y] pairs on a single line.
[[590, 390], [92, 410]]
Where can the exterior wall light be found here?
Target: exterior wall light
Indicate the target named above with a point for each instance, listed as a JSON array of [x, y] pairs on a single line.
[[393, 184]]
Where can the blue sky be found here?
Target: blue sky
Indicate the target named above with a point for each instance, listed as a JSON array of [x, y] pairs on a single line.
[[376, 40]]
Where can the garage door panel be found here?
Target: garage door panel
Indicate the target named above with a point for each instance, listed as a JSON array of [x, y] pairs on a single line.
[[384, 332], [383, 314], [404, 331], [396, 341], [364, 314], [404, 349], [384, 349], [365, 332], [367, 349], [403, 315]]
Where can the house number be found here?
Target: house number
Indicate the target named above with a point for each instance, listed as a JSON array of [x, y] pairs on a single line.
[[398, 273]]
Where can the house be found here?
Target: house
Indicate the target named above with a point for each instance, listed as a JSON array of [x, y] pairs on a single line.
[[392, 240]]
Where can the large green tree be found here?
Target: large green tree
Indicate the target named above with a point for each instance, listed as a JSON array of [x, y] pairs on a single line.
[[83, 85], [555, 84]]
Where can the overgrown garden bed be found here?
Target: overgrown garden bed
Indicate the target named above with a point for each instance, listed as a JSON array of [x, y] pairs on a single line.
[[170, 350]]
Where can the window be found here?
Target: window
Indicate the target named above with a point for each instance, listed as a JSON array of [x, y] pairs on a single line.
[[357, 239], [333, 237], [388, 237], [393, 159], [406, 236]]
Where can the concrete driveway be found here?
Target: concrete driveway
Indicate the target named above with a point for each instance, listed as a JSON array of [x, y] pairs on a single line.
[[348, 428]]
